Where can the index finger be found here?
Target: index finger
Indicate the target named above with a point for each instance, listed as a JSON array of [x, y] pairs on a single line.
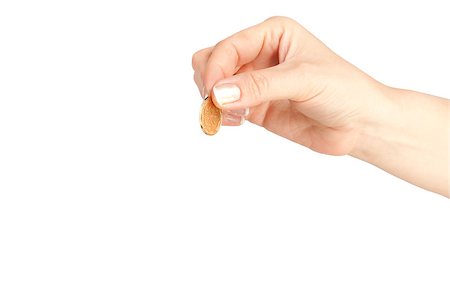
[[232, 53]]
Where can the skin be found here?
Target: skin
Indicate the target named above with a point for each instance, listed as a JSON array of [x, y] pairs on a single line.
[[296, 87]]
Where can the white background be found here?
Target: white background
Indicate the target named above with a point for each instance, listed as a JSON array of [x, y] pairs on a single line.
[[108, 187]]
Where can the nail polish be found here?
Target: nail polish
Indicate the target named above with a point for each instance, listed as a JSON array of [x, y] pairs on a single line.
[[230, 119], [226, 93]]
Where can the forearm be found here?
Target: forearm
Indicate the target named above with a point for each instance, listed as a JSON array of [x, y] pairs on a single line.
[[407, 135]]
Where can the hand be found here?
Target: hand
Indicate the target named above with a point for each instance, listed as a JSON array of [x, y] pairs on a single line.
[[279, 76], [293, 84]]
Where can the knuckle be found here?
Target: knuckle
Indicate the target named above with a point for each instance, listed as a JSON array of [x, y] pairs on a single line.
[[280, 20], [195, 60], [226, 46], [200, 57], [275, 19], [222, 44], [258, 84]]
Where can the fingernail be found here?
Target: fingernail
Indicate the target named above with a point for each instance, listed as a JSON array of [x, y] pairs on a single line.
[[204, 95], [229, 119], [226, 93], [240, 112]]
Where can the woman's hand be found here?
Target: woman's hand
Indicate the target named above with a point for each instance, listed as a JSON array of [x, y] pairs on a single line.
[[293, 84], [279, 76]]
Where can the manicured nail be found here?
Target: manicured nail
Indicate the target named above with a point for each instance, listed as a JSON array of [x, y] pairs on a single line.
[[226, 93], [229, 119], [204, 94], [240, 112]]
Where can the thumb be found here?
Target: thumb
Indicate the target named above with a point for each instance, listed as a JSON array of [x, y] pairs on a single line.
[[249, 89]]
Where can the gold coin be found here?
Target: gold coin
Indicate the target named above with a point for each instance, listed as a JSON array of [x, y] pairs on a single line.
[[210, 117]]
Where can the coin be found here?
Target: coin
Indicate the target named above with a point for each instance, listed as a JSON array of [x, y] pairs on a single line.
[[210, 117]]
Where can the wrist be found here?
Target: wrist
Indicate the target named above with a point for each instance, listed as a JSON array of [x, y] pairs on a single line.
[[406, 133], [376, 125]]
